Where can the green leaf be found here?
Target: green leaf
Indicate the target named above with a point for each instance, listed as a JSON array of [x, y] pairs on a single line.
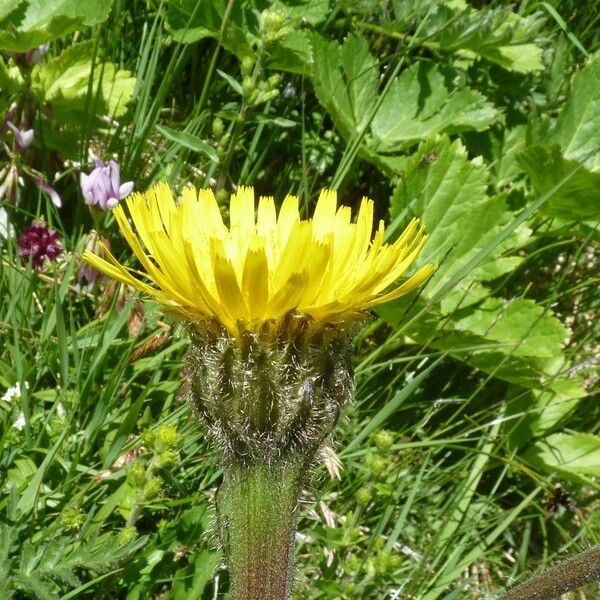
[[578, 199], [345, 81], [577, 130], [448, 192], [420, 103], [417, 104], [292, 53], [35, 22], [11, 80], [544, 409], [517, 341], [189, 141], [64, 82], [312, 12], [570, 454], [190, 21], [497, 35], [521, 325], [233, 83]]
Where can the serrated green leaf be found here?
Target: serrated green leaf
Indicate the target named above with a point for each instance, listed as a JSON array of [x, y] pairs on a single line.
[[292, 53], [11, 80], [570, 454], [577, 131], [517, 341], [9, 6], [305, 11], [498, 35], [34, 586], [449, 194], [544, 409], [417, 104], [420, 104], [35, 22], [521, 325], [345, 80], [578, 199]]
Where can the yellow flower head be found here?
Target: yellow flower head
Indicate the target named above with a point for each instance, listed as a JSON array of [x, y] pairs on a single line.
[[265, 265]]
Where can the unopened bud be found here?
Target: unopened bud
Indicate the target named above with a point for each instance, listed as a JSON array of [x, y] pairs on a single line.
[[168, 458], [166, 438], [217, 128], [127, 534], [152, 488], [247, 66], [272, 24], [274, 80], [384, 440], [72, 517], [222, 196], [137, 475], [364, 495], [377, 465], [247, 85]]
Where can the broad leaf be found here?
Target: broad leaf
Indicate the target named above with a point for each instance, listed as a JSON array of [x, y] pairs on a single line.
[[190, 20], [577, 130], [34, 22], [516, 340], [423, 100], [498, 35], [578, 199], [449, 194], [420, 103], [65, 83], [570, 454], [543, 410], [345, 80]]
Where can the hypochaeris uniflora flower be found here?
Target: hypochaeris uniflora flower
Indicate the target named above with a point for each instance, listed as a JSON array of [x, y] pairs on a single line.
[[271, 302], [264, 265]]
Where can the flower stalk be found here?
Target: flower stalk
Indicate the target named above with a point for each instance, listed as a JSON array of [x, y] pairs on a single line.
[[560, 579], [257, 507]]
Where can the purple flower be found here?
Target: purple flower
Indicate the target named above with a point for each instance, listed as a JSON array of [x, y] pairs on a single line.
[[102, 188], [48, 189], [32, 56], [23, 137], [86, 271], [38, 243]]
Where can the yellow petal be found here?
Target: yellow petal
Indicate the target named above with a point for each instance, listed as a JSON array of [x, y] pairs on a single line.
[[255, 279], [230, 294], [412, 283]]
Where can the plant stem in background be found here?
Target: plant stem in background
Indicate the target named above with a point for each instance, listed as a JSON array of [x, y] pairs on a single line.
[[560, 579], [257, 507]]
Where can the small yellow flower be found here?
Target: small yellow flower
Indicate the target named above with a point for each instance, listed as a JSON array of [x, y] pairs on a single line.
[[265, 265]]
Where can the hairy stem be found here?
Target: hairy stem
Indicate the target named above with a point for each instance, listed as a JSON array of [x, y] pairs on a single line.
[[257, 506], [563, 577]]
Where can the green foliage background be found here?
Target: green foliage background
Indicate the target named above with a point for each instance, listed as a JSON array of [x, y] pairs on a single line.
[[471, 456]]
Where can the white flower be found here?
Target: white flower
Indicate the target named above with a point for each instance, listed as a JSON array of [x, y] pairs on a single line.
[[7, 231], [20, 422], [12, 393]]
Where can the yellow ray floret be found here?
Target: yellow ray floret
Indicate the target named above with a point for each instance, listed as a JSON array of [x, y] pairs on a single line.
[[264, 265]]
